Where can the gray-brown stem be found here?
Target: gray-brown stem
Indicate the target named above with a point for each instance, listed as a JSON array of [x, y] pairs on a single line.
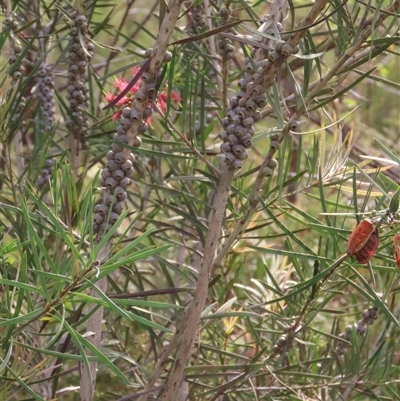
[[191, 324]]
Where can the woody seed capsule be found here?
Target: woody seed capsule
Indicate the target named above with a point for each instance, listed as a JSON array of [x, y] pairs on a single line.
[[98, 218], [273, 57], [118, 207], [267, 171], [226, 147], [124, 182], [118, 174], [113, 165], [223, 136], [126, 166], [111, 183], [237, 164], [273, 163], [243, 155], [120, 157], [233, 139], [274, 145], [137, 142], [287, 50], [230, 157]]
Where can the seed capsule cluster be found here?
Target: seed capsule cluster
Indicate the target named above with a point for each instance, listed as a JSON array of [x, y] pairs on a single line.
[[224, 44], [9, 22], [225, 47], [369, 317], [44, 90], [18, 112], [45, 173], [197, 21], [18, 72], [78, 96], [282, 49], [242, 113], [15, 51], [239, 121], [284, 343], [115, 176]]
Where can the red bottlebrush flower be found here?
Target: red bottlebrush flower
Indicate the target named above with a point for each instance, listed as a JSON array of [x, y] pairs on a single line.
[[363, 242], [121, 84], [396, 244]]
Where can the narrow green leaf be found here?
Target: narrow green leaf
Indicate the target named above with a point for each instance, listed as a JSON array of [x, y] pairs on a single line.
[[21, 319]]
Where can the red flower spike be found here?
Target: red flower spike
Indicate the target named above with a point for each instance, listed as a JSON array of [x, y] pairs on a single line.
[[396, 243], [363, 242], [122, 85]]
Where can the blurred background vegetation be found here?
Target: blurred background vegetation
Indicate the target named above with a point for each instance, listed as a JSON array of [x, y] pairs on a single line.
[[341, 166]]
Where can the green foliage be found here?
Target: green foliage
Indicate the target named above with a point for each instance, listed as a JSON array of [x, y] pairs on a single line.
[[286, 313]]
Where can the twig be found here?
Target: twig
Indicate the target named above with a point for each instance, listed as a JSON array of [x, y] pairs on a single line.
[[136, 125], [141, 294], [299, 318], [137, 395], [51, 305], [190, 145], [171, 347], [213, 51]]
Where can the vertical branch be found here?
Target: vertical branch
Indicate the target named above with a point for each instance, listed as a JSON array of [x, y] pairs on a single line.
[[239, 130], [15, 121], [213, 51], [191, 324], [80, 53], [115, 176], [44, 90], [226, 50]]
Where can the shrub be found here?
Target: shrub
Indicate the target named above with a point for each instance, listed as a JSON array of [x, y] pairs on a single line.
[[199, 200]]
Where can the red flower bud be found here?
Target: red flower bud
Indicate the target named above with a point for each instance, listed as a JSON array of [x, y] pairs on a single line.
[[363, 242], [396, 243]]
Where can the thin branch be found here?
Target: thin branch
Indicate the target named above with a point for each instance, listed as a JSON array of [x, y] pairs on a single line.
[[141, 294], [189, 144], [213, 51]]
